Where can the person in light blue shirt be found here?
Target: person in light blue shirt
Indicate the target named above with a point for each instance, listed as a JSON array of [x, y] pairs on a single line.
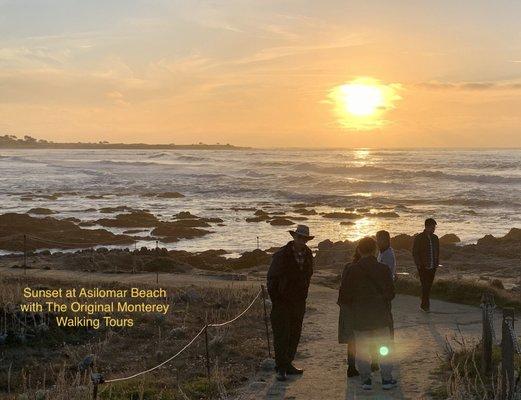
[[385, 251], [386, 256]]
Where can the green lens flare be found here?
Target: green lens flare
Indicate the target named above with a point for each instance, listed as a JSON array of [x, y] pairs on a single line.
[[384, 350]]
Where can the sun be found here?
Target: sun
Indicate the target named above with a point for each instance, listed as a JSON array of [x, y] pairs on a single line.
[[361, 99], [361, 103]]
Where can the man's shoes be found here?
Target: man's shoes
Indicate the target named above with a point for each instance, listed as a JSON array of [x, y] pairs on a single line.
[[281, 375], [389, 384], [425, 309], [292, 370], [375, 367], [367, 384], [352, 371]]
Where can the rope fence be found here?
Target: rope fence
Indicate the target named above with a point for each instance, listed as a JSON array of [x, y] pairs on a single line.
[[25, 238], [98, 378], [127, 240], [50, 241], [239, 315], [158, 365]]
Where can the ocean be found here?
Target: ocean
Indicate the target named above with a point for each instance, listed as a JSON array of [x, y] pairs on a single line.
[[470, 192]]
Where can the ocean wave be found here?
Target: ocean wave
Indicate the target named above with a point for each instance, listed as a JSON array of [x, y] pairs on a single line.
[[158, 155], [404, 174], [482, 178], [130, 163], [254, 174], [185, 157], [273, 163], [462, 201], [22, 159]]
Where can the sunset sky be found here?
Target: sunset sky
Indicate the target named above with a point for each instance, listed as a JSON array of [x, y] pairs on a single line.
[[260, 73]]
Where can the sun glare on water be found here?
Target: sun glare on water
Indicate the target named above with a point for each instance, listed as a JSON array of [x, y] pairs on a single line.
[[361, 103]]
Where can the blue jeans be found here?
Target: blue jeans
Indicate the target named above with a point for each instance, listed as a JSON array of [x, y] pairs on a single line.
[[366, 341]]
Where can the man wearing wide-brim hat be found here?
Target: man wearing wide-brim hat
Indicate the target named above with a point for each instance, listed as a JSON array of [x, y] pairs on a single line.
[[288, 283]]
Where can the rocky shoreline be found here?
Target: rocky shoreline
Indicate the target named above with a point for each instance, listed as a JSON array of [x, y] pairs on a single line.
[[121, 238], [76, 245]]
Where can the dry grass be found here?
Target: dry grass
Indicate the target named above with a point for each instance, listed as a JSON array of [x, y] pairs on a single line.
[[46, 366], [461, 373]]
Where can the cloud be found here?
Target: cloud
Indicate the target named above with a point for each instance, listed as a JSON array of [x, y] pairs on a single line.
[[59, 87], [276, 52], [469, 86], [35, 56]]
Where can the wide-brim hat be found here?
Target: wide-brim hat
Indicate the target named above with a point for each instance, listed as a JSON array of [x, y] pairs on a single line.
[[302, 231]]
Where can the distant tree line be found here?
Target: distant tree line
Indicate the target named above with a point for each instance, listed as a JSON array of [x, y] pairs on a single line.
[[12, 141]]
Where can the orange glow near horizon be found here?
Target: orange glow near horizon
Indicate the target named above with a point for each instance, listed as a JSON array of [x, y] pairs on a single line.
[[262, 74], [362, 103]]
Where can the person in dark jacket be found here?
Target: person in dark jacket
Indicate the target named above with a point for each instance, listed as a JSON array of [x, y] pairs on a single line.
[[369, 290], [346, 334], [426, 253], [289, 276]]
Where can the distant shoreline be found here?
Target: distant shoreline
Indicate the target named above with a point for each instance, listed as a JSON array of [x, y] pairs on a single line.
[[28, 142], [126, 146]]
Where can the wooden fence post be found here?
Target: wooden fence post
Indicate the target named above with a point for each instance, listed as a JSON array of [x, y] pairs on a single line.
[[207, 352], [507, 355], [96, 379], [266, 319], [25, 253], [487, 302]]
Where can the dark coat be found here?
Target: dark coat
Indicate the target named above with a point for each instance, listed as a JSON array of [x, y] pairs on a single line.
[[368, 288], [421, 250], [287, 282], [342, 295]]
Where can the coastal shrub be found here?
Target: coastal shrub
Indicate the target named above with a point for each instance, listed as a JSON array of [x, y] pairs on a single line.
[[460, 291]]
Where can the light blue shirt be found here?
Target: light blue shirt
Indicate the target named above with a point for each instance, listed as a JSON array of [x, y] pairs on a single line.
[[387, 257]]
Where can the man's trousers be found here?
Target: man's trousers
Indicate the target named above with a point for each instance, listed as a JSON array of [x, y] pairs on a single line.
[[426, 279], [286, 323]]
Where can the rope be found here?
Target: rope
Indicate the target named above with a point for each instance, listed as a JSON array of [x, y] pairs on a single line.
[[238, 316], [50, 241], [159, 365], [188, 344]]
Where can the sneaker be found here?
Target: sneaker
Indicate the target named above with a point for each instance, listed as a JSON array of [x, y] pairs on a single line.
[[367, 384], [424, 309], [389, 384], [292, 370], [352, 371]]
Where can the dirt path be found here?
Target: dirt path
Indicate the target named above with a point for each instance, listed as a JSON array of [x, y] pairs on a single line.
[[419, 339]]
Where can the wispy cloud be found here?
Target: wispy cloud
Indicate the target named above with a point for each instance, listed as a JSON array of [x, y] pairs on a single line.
[[470, 85], [273, 53], [36, 56]]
